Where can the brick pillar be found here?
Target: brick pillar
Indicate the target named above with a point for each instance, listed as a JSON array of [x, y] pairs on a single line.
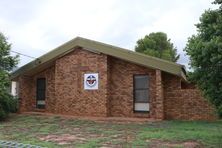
[[159, 96], [25, 94], [108, 87]]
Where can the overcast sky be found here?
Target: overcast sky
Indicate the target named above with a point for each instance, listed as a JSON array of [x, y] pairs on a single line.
[[35, 27]]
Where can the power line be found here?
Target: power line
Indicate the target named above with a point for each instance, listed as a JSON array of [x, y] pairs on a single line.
[[23, 54]]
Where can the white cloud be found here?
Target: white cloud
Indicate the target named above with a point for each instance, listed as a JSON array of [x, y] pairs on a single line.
[[35, 27]]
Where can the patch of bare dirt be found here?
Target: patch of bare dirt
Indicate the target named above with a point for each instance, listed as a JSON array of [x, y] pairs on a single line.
[[119, 141], [62, 139], [172, 144]]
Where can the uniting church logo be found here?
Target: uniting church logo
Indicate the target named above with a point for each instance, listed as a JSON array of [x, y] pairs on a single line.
[[91, 81]]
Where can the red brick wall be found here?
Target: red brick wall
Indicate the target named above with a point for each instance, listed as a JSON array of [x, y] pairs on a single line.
[[65, 93], [27, 90], [49, 74], [25, 93], [121, 88], [184, 104], [71, 98], [159, 103]]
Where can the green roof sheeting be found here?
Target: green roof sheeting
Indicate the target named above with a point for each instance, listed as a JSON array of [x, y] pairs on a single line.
[[98, 47]]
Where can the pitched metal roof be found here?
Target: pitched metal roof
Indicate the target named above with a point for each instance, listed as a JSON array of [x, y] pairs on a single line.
[[128, 55]]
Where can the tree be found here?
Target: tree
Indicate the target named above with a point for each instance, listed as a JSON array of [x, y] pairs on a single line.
[[7, 63], [205, 51], [158, 45]]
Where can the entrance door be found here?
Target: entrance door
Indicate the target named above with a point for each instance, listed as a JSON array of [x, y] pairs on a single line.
[[40, 96]]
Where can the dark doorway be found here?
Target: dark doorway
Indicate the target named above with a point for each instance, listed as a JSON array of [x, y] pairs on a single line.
[[40, 93]]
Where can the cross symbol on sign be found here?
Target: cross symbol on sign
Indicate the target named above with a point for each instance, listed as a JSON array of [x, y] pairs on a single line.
[[91, 80]]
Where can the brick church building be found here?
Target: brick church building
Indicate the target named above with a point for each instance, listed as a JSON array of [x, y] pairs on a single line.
[[88, 78]]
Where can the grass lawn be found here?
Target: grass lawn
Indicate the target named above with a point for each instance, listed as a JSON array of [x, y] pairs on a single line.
[[55, 131]]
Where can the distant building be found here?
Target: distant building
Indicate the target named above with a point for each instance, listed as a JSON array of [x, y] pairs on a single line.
[[14, 88]]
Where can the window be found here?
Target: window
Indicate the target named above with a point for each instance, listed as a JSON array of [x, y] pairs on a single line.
[[141, 93], [40, 93]]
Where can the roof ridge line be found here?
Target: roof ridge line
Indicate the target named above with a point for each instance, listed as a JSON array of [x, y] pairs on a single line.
[[111, 50], [128, 50]]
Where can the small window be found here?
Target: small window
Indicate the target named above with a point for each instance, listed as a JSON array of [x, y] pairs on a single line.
[[40, 96], [141, 93]]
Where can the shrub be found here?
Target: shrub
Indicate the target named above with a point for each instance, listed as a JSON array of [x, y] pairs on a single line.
[[205, 52], [3, 114], [7, 104], [7, 64], [13, 103]]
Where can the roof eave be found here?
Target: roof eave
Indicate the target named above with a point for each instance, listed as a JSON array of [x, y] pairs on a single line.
[[98, 47]]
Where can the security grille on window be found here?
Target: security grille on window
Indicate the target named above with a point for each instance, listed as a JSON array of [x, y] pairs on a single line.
[[141, 93]]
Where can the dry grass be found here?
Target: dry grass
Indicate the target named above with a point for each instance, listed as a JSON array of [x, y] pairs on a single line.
[[55, 131]]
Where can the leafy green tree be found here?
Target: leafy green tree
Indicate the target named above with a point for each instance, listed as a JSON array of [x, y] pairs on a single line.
[[7, 63], [205, 51], [158, 45]]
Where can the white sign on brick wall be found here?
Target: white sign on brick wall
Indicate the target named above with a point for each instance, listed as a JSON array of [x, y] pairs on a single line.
[[91, 81]]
